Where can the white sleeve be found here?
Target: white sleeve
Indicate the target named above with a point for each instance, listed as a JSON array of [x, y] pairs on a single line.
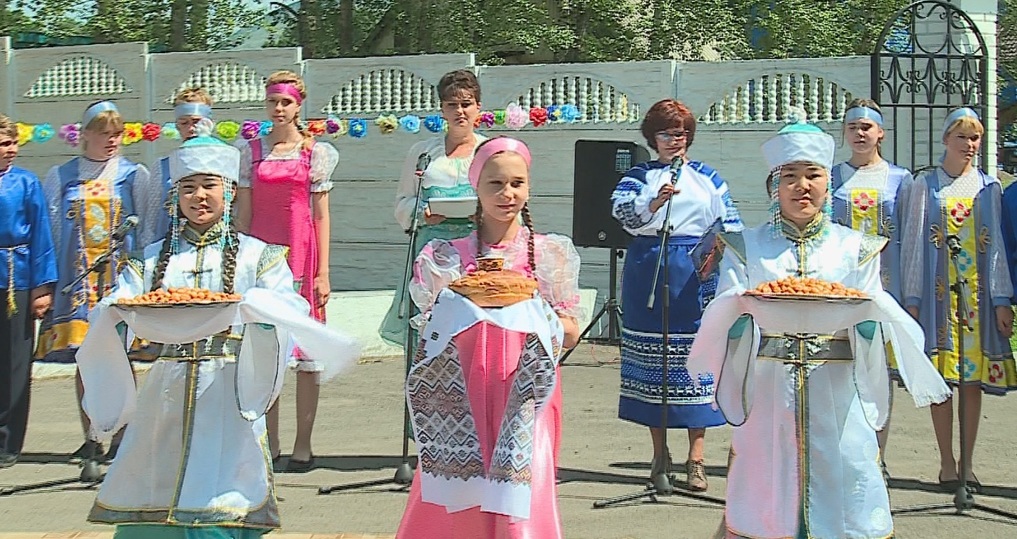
[[324, 159], [436, 267], [406, 194], [51, 190], [246, 165], [558, 274], [149, 201]]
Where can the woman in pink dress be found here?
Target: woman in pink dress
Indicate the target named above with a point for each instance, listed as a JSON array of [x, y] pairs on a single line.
[[284, 182], [491, 372]]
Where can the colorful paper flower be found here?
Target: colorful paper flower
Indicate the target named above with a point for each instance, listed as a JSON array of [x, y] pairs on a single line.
[[499, 117], [170, 131], [316, 128], [487, 119], [434, 123], [132, 133], [515, 116], [387, 123], [553, 113], [150, 132], [265, 128], [410, 123], [24, 134], [336, 127], [569, 113], [227, 130], [42, 133], [250, 129], [538, 116], [358, 127], [70, 133]]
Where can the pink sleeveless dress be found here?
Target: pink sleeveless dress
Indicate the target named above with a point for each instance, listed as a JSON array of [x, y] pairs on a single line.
[[281, 214]]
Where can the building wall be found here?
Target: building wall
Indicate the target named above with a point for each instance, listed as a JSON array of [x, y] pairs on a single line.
[[740, 104]]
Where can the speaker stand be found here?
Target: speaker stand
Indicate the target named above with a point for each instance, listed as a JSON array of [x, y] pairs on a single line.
[[612, 308]]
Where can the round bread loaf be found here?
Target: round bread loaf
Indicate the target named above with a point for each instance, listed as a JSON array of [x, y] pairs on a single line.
[[495, 288]]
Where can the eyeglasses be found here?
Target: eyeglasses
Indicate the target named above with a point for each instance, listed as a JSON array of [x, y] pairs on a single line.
[[669, 136]]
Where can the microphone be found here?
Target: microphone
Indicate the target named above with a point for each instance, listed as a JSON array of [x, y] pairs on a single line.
[[676, 168], [423, 160], [953, 243], [129, 223]]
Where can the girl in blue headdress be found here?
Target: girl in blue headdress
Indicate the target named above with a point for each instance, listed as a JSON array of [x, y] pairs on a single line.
[[865, 191], [957, 204], [89, 197]]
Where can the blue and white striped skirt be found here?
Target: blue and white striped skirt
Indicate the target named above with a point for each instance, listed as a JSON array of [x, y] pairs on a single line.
[[689, 405]]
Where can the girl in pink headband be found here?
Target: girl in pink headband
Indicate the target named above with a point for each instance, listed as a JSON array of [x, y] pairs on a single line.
[[285, 178], [505, 368]]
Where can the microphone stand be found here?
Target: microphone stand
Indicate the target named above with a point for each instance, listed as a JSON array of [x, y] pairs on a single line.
[[662, 483], [404, 473], [963, 498]]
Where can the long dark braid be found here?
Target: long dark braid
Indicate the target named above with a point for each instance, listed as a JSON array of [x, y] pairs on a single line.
[[229, 257], [164, 257], [528, 222], [480, 221]]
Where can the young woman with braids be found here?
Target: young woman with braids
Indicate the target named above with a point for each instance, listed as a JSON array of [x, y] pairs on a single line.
[[188, 452], [503, 364], [285, 178]]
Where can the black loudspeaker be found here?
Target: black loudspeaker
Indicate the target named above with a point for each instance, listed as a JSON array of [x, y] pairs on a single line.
[[599, 165]]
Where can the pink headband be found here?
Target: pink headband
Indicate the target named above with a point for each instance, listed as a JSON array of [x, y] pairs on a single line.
[[492, 147], [285, 88]]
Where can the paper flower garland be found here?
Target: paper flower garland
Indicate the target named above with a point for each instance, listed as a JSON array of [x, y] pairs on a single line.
[[512, 117], [70, 133], [434, 123], [515, 116], [410, 124], [227, 130], [24, 133], [387, 123], [150, 132], [42, 133], [358, 127], [132, 133]]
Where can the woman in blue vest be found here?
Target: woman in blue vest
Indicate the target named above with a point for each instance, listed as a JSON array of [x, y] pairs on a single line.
[[89, 197]]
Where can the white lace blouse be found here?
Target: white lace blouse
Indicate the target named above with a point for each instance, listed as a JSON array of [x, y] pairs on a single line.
[[557, 272]]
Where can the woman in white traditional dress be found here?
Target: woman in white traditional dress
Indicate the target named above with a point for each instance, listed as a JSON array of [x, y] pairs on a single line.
[[484, 390], [195, 461], [806, 390]]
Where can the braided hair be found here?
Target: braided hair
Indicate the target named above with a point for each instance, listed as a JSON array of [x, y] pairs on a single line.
[[164, 257]]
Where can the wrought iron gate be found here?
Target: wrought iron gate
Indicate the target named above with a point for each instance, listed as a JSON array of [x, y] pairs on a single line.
[[929, 59]]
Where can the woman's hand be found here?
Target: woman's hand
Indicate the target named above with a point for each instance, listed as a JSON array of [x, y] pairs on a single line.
[[913, 311], [1004, 320], [667, 191], [322, 289], [571, 327], [432, 218], [41, 301]]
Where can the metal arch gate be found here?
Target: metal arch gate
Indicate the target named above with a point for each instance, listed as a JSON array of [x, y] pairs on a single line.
[[929, 58]]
